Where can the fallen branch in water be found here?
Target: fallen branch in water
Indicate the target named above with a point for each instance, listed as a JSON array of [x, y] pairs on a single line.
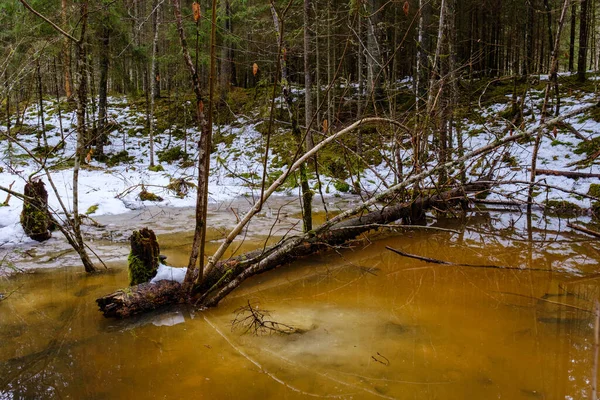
[[229, 274], [405, 227], [558, 303], [583, 229], [442, 262]]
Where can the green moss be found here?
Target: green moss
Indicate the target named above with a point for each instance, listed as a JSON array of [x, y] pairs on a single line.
[[34, 221], [594, 190], [171, 155], [119, 158], [137, 271], [156, 168], [144, 256], [341, 186], [590, 147], [149, 196], [561, 208], [92, 209]]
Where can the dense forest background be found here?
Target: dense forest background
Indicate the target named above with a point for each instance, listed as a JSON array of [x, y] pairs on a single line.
[[132, 45], [301, 74]]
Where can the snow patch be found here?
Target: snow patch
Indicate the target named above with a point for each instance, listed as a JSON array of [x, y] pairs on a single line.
[[166, 273]]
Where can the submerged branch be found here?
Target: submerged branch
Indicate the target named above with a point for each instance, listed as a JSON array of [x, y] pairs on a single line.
[[442, 262]]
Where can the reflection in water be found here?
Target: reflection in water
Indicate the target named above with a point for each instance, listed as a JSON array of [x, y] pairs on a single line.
[[371, 325]]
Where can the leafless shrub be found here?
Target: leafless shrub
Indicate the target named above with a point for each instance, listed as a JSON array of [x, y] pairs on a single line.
[[250, 319]]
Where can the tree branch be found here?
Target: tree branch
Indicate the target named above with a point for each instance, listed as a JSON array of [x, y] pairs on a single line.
[[56, 27]]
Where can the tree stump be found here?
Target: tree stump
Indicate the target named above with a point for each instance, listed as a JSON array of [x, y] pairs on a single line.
[[144, 256], [34, 217]]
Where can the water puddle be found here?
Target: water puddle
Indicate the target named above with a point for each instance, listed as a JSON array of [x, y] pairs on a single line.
[[371, 324]]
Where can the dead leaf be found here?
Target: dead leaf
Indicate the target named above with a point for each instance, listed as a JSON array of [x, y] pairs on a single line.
[[197, 11]]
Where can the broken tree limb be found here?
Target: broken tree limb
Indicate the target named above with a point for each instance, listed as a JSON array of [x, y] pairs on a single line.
[[222, 277], [229, 274], [258, 205], [394, 189], [442, 262], [139, 299], [583, 229]]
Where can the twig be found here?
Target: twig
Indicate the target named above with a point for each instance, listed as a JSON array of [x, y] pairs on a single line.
[[7, 195], [56, 27]]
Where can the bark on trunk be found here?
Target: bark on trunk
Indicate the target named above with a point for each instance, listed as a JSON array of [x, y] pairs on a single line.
[[66, 51], [228, 274], [103, 88], [583, 40]]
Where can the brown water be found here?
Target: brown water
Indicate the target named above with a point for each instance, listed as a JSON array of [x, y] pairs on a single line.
[[376, 325]]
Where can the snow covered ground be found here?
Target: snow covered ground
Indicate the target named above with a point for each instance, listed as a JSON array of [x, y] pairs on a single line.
[[115, 190]]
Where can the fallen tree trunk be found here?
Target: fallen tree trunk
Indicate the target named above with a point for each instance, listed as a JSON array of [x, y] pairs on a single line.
[[222, 277], [229, 274]]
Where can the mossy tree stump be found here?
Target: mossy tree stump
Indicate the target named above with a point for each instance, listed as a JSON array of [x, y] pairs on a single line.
[[144, 256], [34, 217]]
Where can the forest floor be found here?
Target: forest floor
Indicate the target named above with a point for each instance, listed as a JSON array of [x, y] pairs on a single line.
[[109, 190]]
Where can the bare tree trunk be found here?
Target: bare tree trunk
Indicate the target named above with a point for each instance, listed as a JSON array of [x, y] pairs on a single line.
[[373, 49], [203, 148], [75, 240], [101, 135], [308, 105], [8, 124], [58, 108], [225, 50], [583, 40], [66, 52], [41, 106], [330, 92], [306, 193], [361, 82], [154, 76], [81, 136], [572, 38], [553, 78]]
